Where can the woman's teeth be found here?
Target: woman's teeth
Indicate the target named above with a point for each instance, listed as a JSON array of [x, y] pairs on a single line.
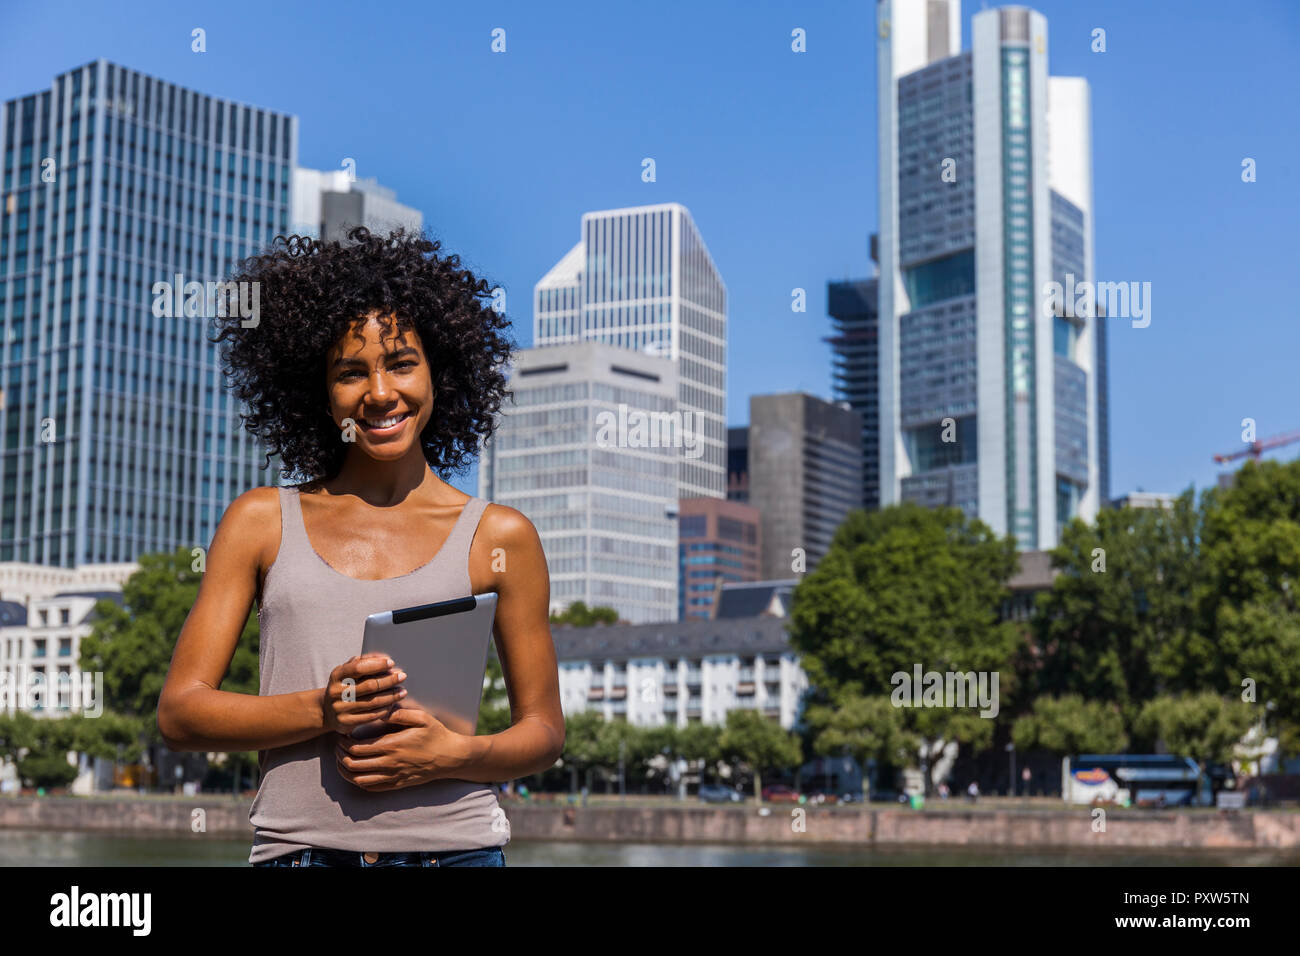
[[384, 422]]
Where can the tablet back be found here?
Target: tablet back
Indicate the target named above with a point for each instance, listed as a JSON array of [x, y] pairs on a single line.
[[443, 649]]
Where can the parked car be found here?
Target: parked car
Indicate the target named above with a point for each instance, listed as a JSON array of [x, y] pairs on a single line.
[[717, 793], [851, 797], [779, 793], [817, 797], [884, 796]]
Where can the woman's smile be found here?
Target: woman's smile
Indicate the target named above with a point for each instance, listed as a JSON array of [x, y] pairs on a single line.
[[385, 426]]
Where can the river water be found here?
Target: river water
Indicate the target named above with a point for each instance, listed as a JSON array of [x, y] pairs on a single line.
[[73, 848]]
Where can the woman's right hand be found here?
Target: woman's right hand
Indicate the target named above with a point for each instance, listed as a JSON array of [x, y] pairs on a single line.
[[369, 682]]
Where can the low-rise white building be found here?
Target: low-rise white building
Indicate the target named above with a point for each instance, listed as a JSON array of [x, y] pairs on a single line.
[[44, 614], [661, 674]]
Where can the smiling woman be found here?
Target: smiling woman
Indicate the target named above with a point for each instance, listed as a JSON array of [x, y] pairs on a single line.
[[374, 365]]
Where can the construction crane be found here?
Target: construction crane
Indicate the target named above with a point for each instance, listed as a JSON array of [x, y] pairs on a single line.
[[1256, 448]]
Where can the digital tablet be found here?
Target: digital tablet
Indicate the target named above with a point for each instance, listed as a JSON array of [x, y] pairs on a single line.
[[442, 648]]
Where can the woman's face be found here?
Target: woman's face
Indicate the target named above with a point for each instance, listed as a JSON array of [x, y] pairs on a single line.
[[385, 386]]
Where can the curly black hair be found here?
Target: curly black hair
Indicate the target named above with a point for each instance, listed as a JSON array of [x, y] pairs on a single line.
[[311, 292]]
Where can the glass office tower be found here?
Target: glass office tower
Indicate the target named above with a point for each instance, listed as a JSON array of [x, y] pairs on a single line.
[[117, 435], [988, 401]]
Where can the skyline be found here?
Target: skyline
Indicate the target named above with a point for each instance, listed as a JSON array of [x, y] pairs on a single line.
[[801, 132]]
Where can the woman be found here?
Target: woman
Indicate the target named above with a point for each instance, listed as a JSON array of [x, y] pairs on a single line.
[[371, 365]]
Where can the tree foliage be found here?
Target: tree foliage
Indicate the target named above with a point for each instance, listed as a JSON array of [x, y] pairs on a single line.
[[1071, 725], [899, 587], [578, 614]]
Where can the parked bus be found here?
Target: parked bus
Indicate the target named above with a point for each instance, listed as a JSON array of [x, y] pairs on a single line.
[[1141, 780]]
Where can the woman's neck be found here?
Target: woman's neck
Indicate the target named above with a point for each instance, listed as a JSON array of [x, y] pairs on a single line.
[[383, 483]]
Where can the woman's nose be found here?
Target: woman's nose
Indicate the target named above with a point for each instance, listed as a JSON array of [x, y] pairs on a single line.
[[379, 387]]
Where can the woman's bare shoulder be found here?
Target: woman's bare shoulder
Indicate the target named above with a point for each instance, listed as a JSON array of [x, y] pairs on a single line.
[[505, 524], [252, 522]]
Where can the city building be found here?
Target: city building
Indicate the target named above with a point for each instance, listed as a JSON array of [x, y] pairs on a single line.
[[642, 279], [738, 463], [805, 476], [1034, 575], [718, 541], [45, 612], [126, 199], [992, 392], [756, 599], [327, 203], [689, 671], [40, 646], [852, 308], [588, 450], [25, 583]]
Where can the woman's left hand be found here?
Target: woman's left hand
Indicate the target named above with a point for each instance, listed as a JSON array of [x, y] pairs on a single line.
[[421, 751]]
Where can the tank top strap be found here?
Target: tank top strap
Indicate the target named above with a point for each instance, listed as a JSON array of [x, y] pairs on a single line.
[[293, 532], [455, 551]]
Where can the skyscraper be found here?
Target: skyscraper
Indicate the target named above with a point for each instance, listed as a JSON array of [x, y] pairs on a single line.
[[583, 452], [805, 476], [987, 400], [121, 193], [641, 278], [856, 344]]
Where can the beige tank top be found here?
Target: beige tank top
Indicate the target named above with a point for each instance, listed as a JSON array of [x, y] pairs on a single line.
[[312, 618]]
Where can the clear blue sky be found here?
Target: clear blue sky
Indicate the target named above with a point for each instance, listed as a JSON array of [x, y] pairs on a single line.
[[774, 154]]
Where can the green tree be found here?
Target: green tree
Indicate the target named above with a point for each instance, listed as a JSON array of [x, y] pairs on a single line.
[[39, 748], [759, 743], [618, 739], [1251, 596], [578, 614], [864, 728], [132, 644], [1205, 727], [902, 586], [1071, 725], [1125, 591], [1193, 599], [664, 741], [582, 744], [494, 705], [699, 743]]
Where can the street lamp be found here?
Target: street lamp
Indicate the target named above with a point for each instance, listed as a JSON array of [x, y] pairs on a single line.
[[1011, 780]]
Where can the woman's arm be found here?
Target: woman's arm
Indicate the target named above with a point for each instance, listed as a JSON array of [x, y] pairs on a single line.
[[535, 738], [192, 713]]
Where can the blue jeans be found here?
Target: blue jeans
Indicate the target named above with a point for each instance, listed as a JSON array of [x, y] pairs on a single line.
[[315, 856]]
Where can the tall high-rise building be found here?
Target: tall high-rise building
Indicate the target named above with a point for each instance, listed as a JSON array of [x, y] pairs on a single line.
[[738, 463], [856, 345], [641, 278], [989, 399], [588, 451], [805, 476], [123, 195], [327, 203]]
